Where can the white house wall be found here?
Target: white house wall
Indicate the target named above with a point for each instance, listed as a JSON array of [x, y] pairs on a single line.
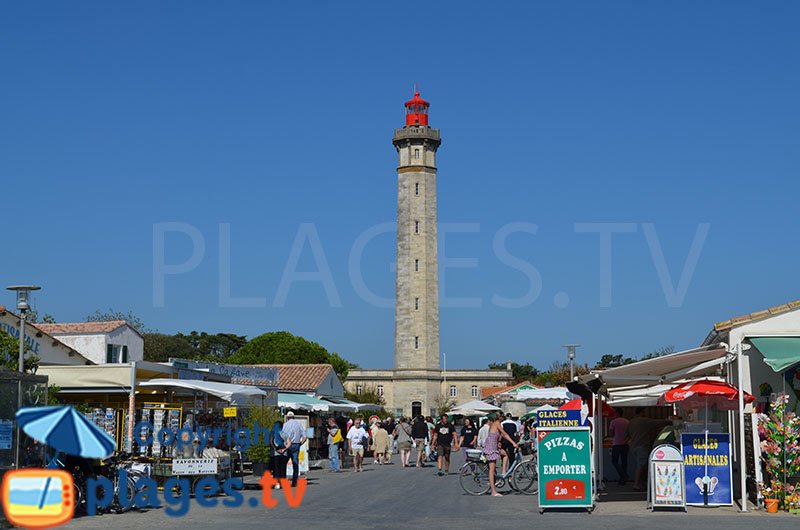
[[331, 386], [50, 351], [91, 346], [125, 336]]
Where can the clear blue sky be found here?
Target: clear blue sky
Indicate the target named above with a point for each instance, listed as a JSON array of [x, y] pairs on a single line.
[[266, 116]]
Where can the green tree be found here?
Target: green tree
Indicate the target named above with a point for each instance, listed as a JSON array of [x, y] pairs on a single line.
[[217, 347], [9, 354], [281, 347], [266, 418], [369, 394], [558, 373], [159, 347], [105, 316], [443, 404], [612, 361], [659, 352], [520, 372]]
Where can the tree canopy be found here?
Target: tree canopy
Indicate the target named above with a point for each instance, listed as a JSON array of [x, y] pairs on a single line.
[[9, 354], [106, 316], [281, 347]]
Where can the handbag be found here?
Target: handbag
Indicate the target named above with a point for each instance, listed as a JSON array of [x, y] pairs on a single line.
[[337, 438]]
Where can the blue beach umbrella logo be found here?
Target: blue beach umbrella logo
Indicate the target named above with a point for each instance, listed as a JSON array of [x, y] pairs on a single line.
[[66, 430]]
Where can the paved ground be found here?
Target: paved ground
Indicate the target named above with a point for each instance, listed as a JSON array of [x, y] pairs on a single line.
[[393, 497]]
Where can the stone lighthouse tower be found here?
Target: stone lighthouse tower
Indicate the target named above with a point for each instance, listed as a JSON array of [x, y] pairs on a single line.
[[416, 335], [417, 384]]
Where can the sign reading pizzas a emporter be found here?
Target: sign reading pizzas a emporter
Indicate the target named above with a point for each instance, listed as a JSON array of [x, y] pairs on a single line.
[[565, 467]]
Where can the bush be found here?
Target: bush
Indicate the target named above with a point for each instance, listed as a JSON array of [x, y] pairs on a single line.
[[266, 418]]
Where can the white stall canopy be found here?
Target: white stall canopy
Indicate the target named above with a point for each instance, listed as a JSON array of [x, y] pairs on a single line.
[[234, 394]]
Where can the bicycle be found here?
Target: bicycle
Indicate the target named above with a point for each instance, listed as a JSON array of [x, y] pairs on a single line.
[[474, 475]]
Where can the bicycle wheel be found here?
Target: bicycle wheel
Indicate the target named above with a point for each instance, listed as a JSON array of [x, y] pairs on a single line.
[[526, 478], [125, 503], [474, 478]]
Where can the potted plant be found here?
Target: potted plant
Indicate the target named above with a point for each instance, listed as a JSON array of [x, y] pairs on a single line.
[[259, 456], [260, 419], [770, 498]]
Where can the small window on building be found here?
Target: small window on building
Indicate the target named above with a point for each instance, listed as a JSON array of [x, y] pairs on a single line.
[[111, 354], [416, 343], [380, 390], [124, 354], [474, 391], [416, 304], [416, 154], [416, 189], [453, 391], [416, 265], [359, 390], [416, 227]]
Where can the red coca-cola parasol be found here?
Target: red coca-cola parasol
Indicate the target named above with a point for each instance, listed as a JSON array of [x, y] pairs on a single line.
[[704, 393]]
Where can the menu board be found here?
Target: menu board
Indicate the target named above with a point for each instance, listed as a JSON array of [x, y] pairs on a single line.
[[666, 478], [565, 467]]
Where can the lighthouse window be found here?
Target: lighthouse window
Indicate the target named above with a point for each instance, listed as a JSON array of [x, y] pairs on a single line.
[[416, 227], [416, 154], [416, 342], [416, 265], [416, 304], [416, 189]]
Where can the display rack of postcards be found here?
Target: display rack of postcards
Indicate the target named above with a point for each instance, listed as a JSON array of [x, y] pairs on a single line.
[[105, 418], [160, 416]]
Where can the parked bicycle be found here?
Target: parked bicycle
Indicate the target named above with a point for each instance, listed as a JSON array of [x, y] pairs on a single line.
[[521, 475]]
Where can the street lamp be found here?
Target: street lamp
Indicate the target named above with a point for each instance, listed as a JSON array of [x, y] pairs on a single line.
[[571, 353], [23, 295]]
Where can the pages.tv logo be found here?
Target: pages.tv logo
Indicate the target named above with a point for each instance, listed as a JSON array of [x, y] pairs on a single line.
[[38, 498]]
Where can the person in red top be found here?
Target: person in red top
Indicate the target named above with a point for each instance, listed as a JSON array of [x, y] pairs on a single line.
[[618, 428]]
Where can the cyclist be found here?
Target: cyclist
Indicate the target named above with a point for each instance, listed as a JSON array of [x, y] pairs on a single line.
[[492, 448]]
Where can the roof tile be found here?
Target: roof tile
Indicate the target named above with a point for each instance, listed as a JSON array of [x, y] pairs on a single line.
[[300, 377], [81, 327]]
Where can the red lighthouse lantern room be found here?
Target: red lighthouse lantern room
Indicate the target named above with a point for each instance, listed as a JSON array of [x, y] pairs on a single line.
[[417, 111]]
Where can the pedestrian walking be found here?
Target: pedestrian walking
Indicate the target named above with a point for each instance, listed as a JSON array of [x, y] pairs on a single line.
[[380, 443], [403, 435], [469, 435], [278, 458], [419, 431], [492, 448], [444, 437], [334, 438], [357, 440], [294, 435], [483, 433]]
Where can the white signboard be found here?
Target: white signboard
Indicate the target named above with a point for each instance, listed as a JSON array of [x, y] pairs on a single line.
[[194, 466], [666, 478]]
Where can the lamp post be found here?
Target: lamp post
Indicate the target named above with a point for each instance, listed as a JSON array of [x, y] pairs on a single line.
[[571, 354], [23, 295]]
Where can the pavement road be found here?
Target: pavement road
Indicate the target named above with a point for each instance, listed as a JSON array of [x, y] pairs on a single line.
[[390, 496]]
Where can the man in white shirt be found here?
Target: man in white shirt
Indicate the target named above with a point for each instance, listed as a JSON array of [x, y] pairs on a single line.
[[356, 437], [483, 433]]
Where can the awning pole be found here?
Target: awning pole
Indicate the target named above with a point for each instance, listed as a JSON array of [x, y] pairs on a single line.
[[131, 406], [742, 452]]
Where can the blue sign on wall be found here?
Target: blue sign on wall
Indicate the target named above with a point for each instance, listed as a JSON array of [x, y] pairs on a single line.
[[559, 419], [709, 465]]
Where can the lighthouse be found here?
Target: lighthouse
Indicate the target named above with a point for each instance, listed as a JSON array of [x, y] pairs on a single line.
[[417, 384], [416, 334]]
